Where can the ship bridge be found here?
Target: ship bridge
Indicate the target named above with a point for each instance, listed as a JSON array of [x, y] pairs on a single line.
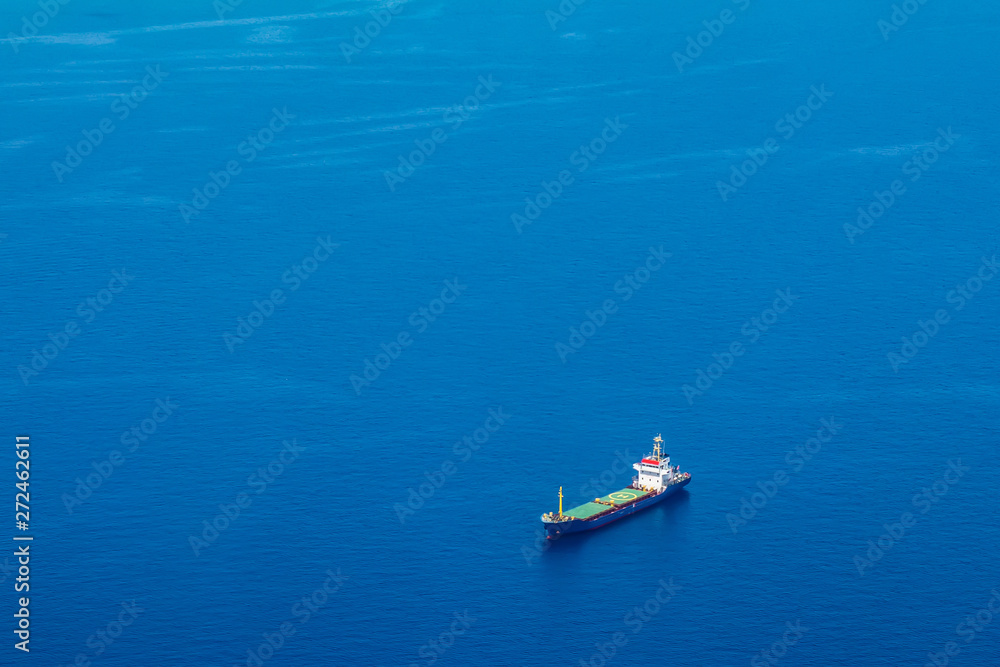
[[654, 469]]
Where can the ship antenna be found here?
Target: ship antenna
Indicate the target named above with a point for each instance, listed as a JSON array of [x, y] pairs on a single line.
[[560, 501], [656, 450]]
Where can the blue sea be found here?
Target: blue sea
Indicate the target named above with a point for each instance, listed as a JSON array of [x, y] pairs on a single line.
[[312, 308]]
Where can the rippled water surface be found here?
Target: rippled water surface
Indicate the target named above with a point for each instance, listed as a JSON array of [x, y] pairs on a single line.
[[337, 253]]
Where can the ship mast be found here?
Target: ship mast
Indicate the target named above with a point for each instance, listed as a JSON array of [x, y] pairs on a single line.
[[656, 450], [560, 501]]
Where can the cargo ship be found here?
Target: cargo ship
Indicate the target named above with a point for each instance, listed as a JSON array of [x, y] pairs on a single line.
[[656, 480]]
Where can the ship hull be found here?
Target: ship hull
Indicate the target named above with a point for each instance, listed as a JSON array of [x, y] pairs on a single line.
[[554, 530]]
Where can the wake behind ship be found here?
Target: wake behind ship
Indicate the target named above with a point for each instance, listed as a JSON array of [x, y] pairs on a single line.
[[655, 482]]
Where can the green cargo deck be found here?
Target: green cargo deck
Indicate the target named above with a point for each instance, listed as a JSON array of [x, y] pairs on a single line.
[[619, 498]]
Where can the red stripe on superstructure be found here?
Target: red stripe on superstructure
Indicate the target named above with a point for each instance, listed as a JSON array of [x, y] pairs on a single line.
[[651, 461]]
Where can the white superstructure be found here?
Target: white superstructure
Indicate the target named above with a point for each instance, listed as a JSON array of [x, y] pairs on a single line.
[[654, 469]]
